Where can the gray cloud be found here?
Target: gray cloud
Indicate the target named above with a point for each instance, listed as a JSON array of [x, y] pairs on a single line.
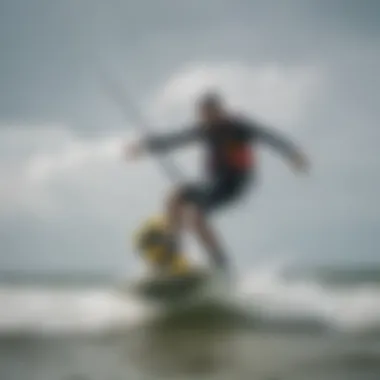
[[78, 207]]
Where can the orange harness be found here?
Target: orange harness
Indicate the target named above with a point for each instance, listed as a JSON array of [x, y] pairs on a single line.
[[240, 156]]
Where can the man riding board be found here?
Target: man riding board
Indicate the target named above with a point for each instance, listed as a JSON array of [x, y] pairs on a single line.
[[230, 142]]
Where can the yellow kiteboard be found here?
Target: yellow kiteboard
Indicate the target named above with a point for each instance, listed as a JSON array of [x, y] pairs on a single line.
[[151, 242], [173, 276]]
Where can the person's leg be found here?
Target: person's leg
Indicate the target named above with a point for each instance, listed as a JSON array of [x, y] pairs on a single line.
[[175, 210], [221, 192], [208, 237], [203, 199]]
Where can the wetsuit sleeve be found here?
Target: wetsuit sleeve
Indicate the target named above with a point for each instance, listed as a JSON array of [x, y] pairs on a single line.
[[173, 140], [276, 140]]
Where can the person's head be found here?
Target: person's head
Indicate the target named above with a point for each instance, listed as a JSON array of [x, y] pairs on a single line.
[[211, 107]]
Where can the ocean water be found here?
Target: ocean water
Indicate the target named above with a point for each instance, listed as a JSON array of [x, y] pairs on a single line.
[[321, 324]]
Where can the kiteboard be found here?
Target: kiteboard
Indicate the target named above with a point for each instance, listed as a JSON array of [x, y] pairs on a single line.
[[169, 279], [173, 288]]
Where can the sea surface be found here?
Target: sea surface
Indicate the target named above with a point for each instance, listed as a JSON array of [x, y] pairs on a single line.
[[275, 325]]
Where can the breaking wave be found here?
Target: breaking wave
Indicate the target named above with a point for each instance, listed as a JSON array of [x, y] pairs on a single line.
[[264, 297]]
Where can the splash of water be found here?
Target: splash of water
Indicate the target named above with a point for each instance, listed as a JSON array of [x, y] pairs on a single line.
[[265, 290]]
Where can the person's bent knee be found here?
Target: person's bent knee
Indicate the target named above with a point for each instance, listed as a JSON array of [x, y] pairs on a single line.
[[175, 198]]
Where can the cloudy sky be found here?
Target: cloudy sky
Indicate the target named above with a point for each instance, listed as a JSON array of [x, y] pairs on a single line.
[[68, 201]]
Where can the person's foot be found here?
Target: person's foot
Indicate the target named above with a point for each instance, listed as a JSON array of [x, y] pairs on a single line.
[[222, 263], [222, 267]]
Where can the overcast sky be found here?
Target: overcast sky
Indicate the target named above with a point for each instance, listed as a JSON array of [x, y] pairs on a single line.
[[309, 68]]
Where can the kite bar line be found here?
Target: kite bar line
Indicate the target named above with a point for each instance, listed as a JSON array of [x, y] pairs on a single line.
[[132, 114]]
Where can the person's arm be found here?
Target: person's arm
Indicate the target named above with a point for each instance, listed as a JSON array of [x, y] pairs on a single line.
[[283, 145], [164, 142], [172, 140]]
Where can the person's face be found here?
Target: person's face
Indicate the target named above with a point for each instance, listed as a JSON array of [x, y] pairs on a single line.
[[209, 114]]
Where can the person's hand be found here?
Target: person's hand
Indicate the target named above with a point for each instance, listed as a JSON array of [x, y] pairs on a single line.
[[133, 150], [300, 163]]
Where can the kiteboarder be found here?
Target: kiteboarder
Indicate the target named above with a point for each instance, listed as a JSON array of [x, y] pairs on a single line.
[[230, 141]]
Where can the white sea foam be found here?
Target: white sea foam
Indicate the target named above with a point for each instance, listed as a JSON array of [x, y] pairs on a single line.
[[44, 310]]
